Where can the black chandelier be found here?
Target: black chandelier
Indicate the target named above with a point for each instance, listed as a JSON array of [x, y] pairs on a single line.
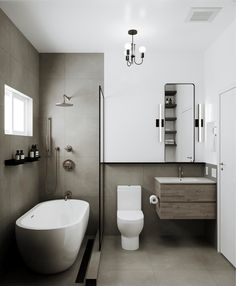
[[130, 51]]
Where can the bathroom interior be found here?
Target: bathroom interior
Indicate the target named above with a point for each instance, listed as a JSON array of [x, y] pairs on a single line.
[[117, 162]]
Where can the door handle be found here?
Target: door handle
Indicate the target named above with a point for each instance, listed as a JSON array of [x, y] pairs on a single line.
[[222, 166]]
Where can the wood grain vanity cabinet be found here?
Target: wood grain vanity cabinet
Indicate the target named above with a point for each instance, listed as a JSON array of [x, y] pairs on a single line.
[[185, 199]]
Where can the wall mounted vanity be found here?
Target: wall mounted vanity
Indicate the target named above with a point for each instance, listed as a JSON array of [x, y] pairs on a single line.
[[185, 198]]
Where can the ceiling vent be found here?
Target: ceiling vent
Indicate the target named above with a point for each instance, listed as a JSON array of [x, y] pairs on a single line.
[[205, 14]]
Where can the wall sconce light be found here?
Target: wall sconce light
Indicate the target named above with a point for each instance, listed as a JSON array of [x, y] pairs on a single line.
[[199, 123], [160, 122]]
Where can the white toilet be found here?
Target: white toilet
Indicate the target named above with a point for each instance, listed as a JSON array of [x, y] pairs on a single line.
[[129, 216]]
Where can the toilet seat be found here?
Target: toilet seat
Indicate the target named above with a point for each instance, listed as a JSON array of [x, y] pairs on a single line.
[[130, 216]]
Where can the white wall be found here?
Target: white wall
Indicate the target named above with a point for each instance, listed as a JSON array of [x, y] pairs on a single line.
[[132, 98], [220, 74]]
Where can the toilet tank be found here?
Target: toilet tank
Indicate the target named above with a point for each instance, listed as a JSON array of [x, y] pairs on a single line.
[[128, 197]]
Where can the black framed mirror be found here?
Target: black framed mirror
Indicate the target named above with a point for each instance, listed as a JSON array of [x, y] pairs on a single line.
[[179, 114]]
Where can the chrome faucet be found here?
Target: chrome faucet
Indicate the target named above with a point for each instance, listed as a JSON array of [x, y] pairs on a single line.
[[67, 195], [181, 172]]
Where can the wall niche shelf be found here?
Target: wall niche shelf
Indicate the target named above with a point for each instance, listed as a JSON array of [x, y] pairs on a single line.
[[170, 118], [13, 162], [170, 92], [171, 145], [170, 105], [170, 132]]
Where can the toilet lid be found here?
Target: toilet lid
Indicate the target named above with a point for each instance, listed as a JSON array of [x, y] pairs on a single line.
[[130, 215]]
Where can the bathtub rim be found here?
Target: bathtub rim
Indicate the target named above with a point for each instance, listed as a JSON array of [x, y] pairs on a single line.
[[22, 226]]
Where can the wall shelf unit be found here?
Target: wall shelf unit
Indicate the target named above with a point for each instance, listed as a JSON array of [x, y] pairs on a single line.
[[13, 162], [170, 123], [170, 105], [170, 92], [170, 118]]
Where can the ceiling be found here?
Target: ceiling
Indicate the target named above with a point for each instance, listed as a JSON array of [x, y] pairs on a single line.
[[101, 25]]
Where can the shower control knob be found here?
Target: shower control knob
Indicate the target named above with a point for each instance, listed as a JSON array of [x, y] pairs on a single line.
[[68, 148], [68, 165]]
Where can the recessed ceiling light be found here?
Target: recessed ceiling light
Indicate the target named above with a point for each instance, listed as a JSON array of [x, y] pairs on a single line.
[[203, 14]]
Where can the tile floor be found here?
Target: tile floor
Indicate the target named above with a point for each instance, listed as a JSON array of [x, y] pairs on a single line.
[[164, 262], [159, 262]]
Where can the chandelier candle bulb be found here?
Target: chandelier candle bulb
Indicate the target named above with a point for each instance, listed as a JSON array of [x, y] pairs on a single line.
[[127, 46], [142, 50]]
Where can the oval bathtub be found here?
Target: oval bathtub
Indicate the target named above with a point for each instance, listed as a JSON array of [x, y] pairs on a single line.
[[50, 234]]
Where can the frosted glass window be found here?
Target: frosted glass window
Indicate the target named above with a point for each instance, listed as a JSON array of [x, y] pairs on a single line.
[[18, 113]]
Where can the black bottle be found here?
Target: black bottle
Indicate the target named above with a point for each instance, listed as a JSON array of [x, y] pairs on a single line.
[[17, 156], [31, 152], [36, 151], [22, 155]]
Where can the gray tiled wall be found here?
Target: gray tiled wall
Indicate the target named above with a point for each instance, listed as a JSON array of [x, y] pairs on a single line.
[[79, 76], [143, 174], [19, 68]]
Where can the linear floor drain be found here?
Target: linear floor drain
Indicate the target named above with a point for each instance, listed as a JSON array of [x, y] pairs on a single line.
[[85, 261]]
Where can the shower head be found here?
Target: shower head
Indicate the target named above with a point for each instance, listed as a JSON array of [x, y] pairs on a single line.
[[64, 103]]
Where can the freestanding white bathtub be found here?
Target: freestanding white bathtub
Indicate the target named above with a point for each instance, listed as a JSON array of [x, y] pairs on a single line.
[[50, 234]]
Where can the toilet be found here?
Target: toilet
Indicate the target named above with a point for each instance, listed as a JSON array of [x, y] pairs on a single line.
[[130, 217]]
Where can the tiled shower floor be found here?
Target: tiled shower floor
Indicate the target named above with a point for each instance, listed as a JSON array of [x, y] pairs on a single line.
[[164, 262]]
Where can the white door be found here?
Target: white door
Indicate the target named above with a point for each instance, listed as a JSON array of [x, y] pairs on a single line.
[[228, 175]]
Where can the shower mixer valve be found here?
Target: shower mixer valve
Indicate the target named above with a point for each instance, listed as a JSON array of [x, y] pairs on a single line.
[[69, 165]]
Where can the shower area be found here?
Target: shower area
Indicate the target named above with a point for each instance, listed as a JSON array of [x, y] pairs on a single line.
[[71, 120]]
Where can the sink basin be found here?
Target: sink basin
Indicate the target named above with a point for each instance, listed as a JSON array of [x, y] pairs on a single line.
[[184, 180]]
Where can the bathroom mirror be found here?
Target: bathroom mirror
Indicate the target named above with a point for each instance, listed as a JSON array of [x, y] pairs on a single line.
[[179, 122]]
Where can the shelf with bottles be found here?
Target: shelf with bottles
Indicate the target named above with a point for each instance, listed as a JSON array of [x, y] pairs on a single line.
[[20, 158], [170, 102], [14, 162]]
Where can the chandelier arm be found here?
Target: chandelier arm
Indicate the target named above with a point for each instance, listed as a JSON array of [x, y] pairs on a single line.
[[138, 64], [128, 63]]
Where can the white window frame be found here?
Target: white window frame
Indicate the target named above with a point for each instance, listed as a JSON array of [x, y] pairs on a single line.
[[28, 112]]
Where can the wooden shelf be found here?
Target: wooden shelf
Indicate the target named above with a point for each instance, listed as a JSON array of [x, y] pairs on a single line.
[[170, 145], [170, 132], [170, 118], [170, 105], [13, 162], [170, 92]]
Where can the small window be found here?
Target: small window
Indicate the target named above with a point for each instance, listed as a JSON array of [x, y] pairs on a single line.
[[18, 113]]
